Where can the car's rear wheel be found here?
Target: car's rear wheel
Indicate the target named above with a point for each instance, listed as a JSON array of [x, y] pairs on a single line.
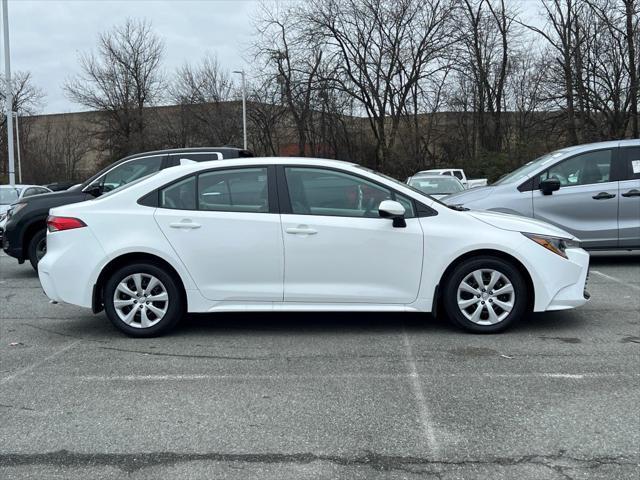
[[143, 300], [37, 248], [485, 295]]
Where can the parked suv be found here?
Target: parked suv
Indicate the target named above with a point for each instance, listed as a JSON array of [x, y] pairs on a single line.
[[591, 191], [26, 228]]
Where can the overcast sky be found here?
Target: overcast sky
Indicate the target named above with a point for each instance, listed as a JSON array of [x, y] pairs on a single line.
[[48, 35]]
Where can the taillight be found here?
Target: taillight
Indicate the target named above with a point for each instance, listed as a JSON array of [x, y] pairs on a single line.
[[57, 224]]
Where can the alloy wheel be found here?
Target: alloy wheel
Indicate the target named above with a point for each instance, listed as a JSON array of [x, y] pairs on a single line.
[[486, 296], [141, 300]]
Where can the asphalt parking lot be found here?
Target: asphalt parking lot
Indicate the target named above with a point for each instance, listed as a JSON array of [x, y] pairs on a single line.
[[322, 396]]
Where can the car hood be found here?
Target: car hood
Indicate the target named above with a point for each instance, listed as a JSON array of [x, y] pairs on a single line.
[[516, 223], [4, 208], [55, 196], [471, 195]]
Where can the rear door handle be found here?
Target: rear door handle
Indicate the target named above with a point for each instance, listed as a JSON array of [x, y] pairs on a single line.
[[632, 193], [188, 225], [603, 196], [301, 230]]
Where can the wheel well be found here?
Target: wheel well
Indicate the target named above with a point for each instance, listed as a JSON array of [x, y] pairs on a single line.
[[490, 253], [126, 259], [31, 230]]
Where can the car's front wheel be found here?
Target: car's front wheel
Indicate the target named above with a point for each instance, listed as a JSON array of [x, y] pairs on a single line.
[[143, 300], [485, 295]]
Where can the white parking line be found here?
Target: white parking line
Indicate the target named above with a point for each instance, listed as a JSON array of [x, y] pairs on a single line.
[[416, 386], [330, 376], [37, 364], [617, 280]]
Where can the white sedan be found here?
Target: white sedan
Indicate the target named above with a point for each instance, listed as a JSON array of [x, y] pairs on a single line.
[[287, 234]]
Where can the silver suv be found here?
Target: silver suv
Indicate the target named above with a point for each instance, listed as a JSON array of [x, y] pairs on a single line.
[[592, 191]]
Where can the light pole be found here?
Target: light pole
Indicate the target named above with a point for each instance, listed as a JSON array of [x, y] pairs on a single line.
[[15, 114], [244, 105], [8, 92]]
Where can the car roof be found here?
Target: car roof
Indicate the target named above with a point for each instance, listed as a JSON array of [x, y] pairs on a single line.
[[232, 162], [239, 152], [21, 186], [434, 176]]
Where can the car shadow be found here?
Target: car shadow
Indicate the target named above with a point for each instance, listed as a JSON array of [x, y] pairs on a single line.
[[310, 322], [614, 258]]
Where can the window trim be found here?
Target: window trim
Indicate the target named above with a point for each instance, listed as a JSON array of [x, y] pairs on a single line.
[[285, 200], [152, 199]]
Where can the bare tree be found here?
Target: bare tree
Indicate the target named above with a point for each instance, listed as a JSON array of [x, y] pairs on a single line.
[[121, 79], [54, 148], [294, 62], [380, 49], [484, 54], [204, 93], [27, 99]]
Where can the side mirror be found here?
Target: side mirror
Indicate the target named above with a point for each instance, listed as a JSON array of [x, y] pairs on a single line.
[[549, 185], [394, 210], [95, 190]]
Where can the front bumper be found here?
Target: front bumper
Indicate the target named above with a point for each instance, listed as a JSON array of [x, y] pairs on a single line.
[[575, 293]]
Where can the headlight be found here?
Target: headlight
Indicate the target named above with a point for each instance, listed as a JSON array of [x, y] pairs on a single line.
[[3, 215], [555, 244]]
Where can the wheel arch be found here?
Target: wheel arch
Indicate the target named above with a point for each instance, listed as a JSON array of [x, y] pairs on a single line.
[[491, 253], [97, 300], [34, 226]]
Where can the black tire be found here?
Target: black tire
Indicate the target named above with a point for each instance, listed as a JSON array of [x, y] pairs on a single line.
[[175, 309], [37, 248], [465, 271]]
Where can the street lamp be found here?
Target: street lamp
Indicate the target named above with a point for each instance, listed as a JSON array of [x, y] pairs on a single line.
[[244, 105]]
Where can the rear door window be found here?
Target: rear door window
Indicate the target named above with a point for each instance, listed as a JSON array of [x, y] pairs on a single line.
[[238, 190], [630, 157]]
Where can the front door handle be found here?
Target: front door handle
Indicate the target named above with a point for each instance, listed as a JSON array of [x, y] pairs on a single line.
[[188, 225], [301, 230], [632, 193], [603, 196]]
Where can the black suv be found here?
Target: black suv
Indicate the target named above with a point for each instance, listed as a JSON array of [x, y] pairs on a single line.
[[26, 229]]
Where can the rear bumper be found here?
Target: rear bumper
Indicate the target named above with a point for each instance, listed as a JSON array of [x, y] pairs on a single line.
[[66, 272]]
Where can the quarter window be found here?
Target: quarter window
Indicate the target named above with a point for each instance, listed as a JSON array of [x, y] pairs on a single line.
[[180, 195], [326, 192], [242, 190], [584, 169]]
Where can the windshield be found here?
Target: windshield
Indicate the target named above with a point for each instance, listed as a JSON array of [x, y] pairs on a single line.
[[528, 168], [437, 185], [8, 195]]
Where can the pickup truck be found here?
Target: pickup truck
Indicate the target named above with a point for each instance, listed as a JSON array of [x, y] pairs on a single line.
[[459, 174]]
